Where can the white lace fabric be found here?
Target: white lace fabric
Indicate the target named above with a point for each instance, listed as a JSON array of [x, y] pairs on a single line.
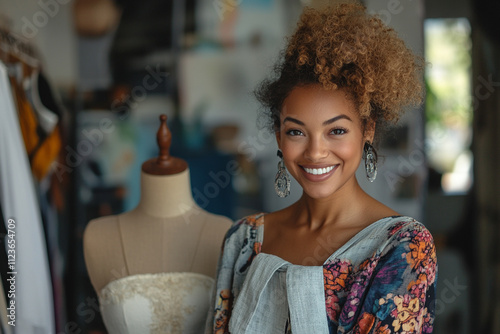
[[167, 303]]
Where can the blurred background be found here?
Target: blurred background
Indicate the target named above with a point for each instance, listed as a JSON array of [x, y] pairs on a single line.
[[98, 73]]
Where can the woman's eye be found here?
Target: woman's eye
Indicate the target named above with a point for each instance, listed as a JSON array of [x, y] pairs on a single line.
[[338, 132], [294, 132]]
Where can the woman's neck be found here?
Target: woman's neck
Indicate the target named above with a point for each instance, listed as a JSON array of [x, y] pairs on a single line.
[[341, 207], [166, 195]]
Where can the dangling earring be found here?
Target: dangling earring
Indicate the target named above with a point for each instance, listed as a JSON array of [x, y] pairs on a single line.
[[282, 181], [370, 156]]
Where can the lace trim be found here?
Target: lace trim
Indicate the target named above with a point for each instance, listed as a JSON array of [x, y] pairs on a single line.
[[166, 293]]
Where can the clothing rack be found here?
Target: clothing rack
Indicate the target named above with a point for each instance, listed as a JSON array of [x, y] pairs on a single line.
[[16, 47]]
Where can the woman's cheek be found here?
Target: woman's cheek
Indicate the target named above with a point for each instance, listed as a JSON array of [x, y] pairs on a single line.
[[292, 147]]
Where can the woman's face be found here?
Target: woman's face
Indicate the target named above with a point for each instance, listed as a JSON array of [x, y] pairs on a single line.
[[322, 139]]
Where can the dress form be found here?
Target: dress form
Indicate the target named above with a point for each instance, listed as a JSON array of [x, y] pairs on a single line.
[[166, 233]]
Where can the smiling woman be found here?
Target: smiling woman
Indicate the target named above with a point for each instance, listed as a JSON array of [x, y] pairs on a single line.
[[337, 260]]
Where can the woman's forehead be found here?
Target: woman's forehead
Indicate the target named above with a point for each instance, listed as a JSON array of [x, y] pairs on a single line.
[[318, 103]]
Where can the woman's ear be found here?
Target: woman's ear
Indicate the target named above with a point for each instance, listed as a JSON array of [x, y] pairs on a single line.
[[370, 130], [278, 138]]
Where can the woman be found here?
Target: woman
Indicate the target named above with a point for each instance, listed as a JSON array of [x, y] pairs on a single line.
[[337, 260]]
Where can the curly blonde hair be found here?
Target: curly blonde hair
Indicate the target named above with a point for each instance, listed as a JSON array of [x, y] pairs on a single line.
[[343, 47]]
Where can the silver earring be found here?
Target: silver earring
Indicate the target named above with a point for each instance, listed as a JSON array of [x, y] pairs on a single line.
[[282, 181], [370, 156]]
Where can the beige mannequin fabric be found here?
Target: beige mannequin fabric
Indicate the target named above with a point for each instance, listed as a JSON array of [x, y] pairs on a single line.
[[167, 232]]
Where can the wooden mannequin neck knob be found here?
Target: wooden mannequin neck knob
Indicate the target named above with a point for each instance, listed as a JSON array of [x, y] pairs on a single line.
[[164, 164]]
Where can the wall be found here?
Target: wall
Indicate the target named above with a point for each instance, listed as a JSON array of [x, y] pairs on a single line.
[[48, 25]]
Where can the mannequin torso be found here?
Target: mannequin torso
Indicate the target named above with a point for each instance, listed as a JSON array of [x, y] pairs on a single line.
[[167, 232], [153, 267]]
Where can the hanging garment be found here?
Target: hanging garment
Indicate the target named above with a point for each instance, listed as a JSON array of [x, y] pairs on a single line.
[[4, 300], [42, 147], [5, 328], [49, 112], [4, 268], [33, 295], [51, 224]]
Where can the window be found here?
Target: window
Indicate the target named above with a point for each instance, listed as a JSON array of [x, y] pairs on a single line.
[[449, 102]]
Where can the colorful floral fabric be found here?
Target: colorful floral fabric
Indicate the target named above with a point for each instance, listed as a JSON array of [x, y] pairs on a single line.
[[381, 281]]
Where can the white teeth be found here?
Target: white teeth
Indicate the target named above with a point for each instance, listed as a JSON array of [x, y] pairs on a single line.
[[318, 171]]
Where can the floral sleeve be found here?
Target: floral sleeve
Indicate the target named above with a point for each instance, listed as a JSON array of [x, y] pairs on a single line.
[[218, 317], [238, 250], [394, 291]]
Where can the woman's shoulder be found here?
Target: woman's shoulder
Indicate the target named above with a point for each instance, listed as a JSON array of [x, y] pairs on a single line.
[[244, 228], [401, 227], [392, 231], [390, 240], [242, 240], [406, 234], [252, 221]]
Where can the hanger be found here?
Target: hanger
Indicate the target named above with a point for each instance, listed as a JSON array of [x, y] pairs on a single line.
[[18, 50], [15, 49], [47, 119]]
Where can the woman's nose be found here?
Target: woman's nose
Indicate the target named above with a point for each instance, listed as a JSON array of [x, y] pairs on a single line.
[[316, 149]]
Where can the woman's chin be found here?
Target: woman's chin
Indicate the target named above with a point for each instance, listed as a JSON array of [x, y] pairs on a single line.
[[318, 193]]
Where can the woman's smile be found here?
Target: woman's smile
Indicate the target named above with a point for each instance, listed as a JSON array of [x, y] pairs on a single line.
[[318, 171], [318, 174]]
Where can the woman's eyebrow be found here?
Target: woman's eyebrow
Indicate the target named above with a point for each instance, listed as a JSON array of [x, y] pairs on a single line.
[[293, 120], [336, 118], [327, 122]]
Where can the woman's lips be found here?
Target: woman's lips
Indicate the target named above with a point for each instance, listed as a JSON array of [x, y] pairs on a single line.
[[317, 174]]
